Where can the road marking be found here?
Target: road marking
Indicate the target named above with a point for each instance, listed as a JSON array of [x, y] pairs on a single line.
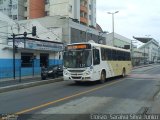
[[65, 98]]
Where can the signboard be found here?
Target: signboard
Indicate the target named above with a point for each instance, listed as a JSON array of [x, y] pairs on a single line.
[[37, 45], [78, 46]]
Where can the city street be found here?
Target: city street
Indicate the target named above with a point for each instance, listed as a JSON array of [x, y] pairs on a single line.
[[136, 93]]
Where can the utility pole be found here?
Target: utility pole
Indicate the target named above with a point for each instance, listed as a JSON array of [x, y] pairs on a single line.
[[14, 67]]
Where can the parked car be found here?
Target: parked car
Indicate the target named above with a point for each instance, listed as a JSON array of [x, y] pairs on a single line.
[[52, 71]]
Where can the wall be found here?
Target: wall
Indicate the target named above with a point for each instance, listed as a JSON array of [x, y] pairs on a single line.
[[59, 7], [36, 8], [119, 40]]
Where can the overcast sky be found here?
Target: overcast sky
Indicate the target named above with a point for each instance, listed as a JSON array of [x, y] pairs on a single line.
[[135, 18]]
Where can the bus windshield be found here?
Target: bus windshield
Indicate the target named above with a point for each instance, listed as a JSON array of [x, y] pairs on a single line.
[[77, 58]]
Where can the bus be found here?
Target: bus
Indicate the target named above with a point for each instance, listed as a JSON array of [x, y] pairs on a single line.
[[92, 61]]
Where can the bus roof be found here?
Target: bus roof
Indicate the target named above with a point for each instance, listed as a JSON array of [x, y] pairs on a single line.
[[100, 45]]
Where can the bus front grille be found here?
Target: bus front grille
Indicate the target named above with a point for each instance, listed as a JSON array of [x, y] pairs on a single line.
[[76, 77], [76, 71]]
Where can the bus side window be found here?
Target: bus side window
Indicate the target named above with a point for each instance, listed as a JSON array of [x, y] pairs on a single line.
[[103, 54], [96, 57]]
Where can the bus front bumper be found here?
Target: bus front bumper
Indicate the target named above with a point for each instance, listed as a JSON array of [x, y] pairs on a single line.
[[78, 78]]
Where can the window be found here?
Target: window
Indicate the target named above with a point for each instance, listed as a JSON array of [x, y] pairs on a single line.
[[46, 1], [46, 13], [26, 59], [114, 55], [103, 54], [70, 8], [14, 6], [90, 6], [96, 57], [90, 17], [1, 1], [111, 54], [14, 17]]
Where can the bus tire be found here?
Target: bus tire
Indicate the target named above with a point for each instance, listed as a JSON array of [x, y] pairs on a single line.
[[103, 77], [123, 72]]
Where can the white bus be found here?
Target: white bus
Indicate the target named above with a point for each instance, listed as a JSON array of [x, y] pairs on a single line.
[[92, 61]]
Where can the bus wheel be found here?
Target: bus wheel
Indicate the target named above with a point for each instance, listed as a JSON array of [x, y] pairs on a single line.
[[103, 77], [124, 72]]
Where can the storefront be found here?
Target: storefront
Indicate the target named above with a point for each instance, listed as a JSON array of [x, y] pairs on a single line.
[[30, 55]]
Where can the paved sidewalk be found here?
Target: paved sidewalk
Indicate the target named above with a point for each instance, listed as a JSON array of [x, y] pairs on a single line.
[[11, 81], [11, 84]]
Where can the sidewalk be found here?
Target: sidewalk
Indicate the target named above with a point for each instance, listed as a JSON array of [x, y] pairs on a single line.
[[11, 84]]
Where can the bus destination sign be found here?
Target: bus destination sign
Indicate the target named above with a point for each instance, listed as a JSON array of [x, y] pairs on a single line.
[[78, 46]]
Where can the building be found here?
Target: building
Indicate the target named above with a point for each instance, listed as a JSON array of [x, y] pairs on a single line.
[[72, 32], [119, 40], [43, 49], [83, 11], [149, 48], [31, 52], [15, 9], [137, 57]]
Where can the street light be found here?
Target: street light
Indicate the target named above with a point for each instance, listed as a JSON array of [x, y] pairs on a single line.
[[112, 13]]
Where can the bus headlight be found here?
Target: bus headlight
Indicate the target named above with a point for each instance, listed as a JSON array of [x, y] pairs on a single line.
[[87, 72], [65, 72]]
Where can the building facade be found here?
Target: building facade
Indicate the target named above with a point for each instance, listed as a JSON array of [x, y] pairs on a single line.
[[119, 40], [82, 11], [15, 9], [53, 32], [31, 52], [150, 49]]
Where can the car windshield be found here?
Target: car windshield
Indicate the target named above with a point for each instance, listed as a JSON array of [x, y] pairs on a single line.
[[77, 59]]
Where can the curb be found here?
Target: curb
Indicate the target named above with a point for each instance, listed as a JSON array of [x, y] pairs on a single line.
[[27, 85]]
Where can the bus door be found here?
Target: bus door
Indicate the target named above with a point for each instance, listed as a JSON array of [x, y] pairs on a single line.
[[96, 64]]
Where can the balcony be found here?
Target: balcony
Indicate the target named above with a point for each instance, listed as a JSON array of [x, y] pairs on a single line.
[[26, 4], [84, 20], [84, 9]]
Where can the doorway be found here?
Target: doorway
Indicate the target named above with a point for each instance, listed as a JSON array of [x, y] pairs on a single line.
[[44, 59]]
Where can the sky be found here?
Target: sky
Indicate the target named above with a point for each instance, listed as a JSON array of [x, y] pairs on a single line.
[[140, 18]]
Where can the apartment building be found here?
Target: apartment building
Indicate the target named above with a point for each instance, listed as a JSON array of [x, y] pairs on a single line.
[[82, 11], [13, 8]]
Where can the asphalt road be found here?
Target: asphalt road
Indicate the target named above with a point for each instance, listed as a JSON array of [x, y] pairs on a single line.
[[133, 94]]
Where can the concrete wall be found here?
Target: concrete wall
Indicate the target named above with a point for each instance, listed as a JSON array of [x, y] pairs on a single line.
[[36, 8], [119, 40]]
